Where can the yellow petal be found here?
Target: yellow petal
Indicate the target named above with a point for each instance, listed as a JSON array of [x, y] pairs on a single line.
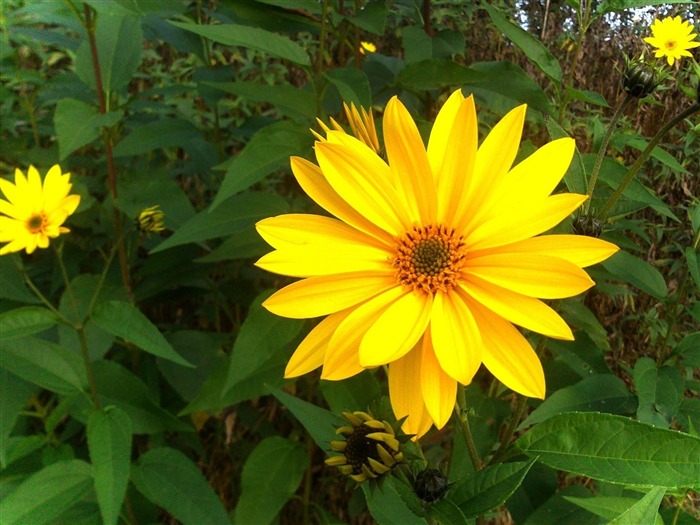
[[327, 259], [577, 249], [396, 330], [442, 129], [318, 296], [362, 180], [11, 210], [409, 163], [439, 390], [508, 355], [406, 397], [316, 186], [524, 311], [455, 337], [297, 229], [531, 274], [311, 351], [34, 182], [518, 224]]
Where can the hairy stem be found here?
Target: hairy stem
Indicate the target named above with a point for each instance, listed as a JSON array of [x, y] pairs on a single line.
[[462, 417]]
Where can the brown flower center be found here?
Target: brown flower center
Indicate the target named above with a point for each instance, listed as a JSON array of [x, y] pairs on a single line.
[[670, 45], [36, 223], [429, 258]]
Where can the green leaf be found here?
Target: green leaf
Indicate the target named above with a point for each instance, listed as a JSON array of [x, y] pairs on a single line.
[[109, 443], [352, 84], [587, 96], [45, 495], [298, 104], [167, 132], [14, 393], [606, 6], [270, 477], [268, 151], [119, 45], [628, 510], [117, 386], [689, 350], [660, 392], [45, 364], [637, 272], [358, 392], [692, 257], [251, 37], [601, 392], [434, 74], [27, 320], [237, 214], [318, 422], [387, 505], [640, 144], [557, 510], [575, 177], [447, 513], [528, 43], [124, 320], [488, 488], [77, 124], [615, 449], [371, 18], [12, 285], [170, 480]]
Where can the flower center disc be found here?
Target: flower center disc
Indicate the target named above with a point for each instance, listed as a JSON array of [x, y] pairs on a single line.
[[360, 447], [429, 258], [35, 224], [670, 45]]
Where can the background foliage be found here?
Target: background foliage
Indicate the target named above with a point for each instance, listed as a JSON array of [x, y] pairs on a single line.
[[182, 414]]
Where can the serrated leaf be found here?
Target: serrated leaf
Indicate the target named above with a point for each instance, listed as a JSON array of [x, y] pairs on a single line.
[[487, 488], [610, 507], [45, 364], [270, 476], [637, 272], [26, 320], [528, 43], [598, 393], [169, 479], [615, 449], [251, 37], [124, 320], [77, 124], [644, 512], [109, 443], [46, 494]]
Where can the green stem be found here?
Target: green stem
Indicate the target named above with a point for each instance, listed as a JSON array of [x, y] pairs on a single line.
[[643, 157], [88, 365], [37, 292], [603, 148], [463, 421]]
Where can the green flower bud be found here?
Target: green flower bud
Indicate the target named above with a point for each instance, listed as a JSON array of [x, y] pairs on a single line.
[[639, 79], [431, 485]]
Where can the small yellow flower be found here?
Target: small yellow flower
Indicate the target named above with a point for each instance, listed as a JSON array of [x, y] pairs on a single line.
[[370, 448], [672, 38], [34, 212], [150, 220], [367, 47]]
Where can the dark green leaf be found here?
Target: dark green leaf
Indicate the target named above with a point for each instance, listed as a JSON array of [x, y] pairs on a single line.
[[623, 508], [251, 37], [689, 350], [692, 257], [78, 124], [587, 96], [528, 43], [354, 393], [43, 496], [659, 391], [12, 284], [615, 449], [447, 513], [14, 393], [637, 272], [270, 476], [45, 364], [27, 320], [172, 132], [352, 84], [109, 443], [170, 480], [489, 487], [388, 507], [371, 18], [124, 320], [557, 510]]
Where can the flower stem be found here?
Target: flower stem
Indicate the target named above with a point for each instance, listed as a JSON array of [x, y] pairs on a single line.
[[88, 365], [463, 420], [603, 148], [643, 157]]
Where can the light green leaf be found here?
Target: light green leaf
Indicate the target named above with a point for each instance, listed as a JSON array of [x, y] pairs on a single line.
[[528, 43], [237, 214], [109, 443], [637, 272], [606, 6], [77, 124], [660, 392], [587, 96], [251, 37], [270, 476], [124, 320], [119, 45], [388, 506], [168, 132], [615, 449], [45, 364], [26, 320], [695, 218], [45, 495], [268, 151], [489, 487], [601, 392], [447, 513], [170, 480], [614, 508], [352, 84], [640, 144]]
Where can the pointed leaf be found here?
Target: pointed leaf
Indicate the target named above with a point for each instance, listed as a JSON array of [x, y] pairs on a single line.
[[637, 272], [27, 320]]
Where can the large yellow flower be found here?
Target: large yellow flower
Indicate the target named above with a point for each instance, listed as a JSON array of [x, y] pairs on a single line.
[[672, 38], [34, 212], [431, 257]]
